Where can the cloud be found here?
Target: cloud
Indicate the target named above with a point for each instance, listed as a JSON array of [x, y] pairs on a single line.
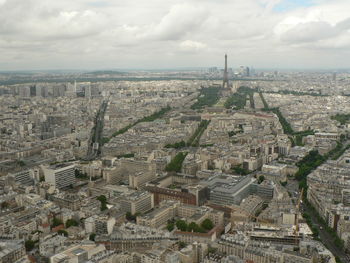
[[192, 46], [37, 20], [316, 27], [100, 33], [310, 32], [180, 21]]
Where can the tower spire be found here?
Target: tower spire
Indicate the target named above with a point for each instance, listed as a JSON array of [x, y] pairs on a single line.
[[226, 81]]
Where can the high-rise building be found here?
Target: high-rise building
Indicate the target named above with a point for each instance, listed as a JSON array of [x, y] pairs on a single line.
[[59, 90], [71, 89], [24, 91], [32, 90], [60, 175], [88, 91], [247, 71], [38, 90]]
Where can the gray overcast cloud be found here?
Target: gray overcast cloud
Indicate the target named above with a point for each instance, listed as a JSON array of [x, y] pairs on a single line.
[[97, 34]]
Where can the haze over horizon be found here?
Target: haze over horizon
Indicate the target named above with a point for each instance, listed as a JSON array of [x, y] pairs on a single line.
[[159, 34]]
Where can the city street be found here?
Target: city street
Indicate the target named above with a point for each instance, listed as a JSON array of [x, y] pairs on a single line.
[[324, 236]]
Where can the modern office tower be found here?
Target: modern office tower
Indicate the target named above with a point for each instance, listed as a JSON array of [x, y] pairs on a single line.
[[88, 91], [32, 90], [226, 81], [71, 89], [334, 76], [24, 91], [247, 71], [44, 91], [38, 90], [59, 90], [213, 70], [60, 175], [141, 201]]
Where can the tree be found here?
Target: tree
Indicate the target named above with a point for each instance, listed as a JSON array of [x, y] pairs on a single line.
[[4, 205], [62, 232], [103, 206], [284, 183], [105, 140], [191, 227], [182, 244], [103, 200], [132, 217], [29, 245], [92, 236], [181, 224], [176, 145], [176, 163], [231, 133], [261, 179], [170, 227], [21, 163], [71, 222], [128, 216], [212, 250], [208, 97], [56, 222], [207, 224], [239, 170]]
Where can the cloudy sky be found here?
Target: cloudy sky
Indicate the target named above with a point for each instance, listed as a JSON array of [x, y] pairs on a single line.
[[155, 34]]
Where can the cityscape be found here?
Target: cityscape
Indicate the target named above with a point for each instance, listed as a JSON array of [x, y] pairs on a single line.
[[239, 161]]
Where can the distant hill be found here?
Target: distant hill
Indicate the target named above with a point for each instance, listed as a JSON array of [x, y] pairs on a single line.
[[106, 72]]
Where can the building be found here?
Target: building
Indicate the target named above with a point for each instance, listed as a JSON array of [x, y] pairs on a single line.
[[190, 237], [132, 237], [24, 177], [138, 180], [170, 209], [51, 244], [11, 250], [60, 175], [104, 225], [228, 189], [161, 194], [78, 253], [67, 200], [159, 216], [327, 136], [137, 202]]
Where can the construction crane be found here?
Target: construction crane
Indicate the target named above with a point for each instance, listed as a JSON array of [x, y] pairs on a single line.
[[296, 220]]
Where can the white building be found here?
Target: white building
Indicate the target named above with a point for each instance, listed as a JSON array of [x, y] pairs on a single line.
[[60, 175]]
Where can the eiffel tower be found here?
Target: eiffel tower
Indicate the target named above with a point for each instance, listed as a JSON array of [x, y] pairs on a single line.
[[226, 81]]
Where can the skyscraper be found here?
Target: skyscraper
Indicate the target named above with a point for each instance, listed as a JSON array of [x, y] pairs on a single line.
[[88, 90]]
